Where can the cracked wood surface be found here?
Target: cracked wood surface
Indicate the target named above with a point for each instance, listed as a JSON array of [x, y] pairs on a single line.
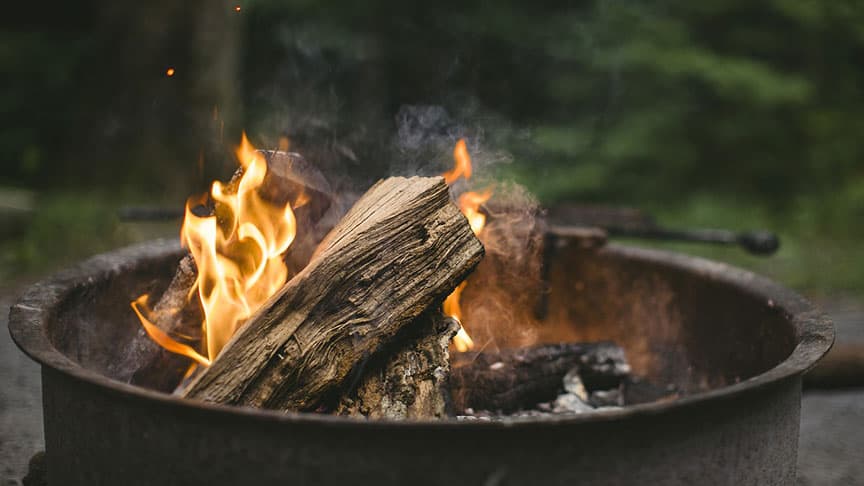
[[402, 248]]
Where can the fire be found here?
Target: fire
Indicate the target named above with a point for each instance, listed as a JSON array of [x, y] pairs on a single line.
[[462, 166], [239, 254], [469, 203], [160, 336]]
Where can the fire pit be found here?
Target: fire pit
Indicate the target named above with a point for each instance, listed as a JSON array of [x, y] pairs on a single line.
[[731, 345]]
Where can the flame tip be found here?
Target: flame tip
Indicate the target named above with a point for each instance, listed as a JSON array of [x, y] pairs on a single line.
[[238, 250]]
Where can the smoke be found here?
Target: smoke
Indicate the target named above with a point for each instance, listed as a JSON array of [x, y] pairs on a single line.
[[425, 135], [501, 296], [356, 140]]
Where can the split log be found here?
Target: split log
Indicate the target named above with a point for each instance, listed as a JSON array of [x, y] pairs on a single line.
[[410, 381], [402, 248], [518, 378]]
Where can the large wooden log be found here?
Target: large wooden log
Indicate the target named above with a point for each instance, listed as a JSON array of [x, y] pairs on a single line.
[[512, 379], [401, 248], [408, 380]]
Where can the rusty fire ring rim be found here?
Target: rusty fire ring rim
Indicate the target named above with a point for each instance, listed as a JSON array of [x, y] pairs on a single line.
[[30, 314]]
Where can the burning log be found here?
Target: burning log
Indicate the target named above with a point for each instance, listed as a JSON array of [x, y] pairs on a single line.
[[289, 179], [512, 379], [409, 382], [402, 248]]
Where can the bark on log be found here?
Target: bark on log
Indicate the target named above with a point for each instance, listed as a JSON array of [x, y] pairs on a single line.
[[513, 379], [408, 380], [399, 250]]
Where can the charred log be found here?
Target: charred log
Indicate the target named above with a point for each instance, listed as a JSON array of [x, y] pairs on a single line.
[[512, 379]]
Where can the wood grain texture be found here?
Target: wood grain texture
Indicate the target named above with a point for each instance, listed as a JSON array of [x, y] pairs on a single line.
[[401, 248], [410, 381]]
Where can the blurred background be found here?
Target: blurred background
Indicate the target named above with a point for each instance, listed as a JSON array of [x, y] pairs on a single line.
[[718, 113]]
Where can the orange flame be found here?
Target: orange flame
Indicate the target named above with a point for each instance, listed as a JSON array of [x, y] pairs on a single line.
[[160, 336], [239, 254], [462, 166], [469, 203]]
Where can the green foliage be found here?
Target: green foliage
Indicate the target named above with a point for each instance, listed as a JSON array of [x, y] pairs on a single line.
[[62, 228], [712, 113]]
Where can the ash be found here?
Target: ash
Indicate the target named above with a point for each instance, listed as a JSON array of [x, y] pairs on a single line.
[[574, 397]]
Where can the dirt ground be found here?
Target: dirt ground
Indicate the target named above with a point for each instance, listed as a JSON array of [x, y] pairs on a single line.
[[20, 403]]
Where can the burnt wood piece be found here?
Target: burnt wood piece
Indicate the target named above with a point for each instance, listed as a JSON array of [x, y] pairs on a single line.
[[513, 379], [181, 317], [408, 381], [402, 248]]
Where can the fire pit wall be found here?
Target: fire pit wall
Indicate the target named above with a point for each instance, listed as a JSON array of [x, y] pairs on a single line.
[[680, 321], [695, 324], [683, 329]]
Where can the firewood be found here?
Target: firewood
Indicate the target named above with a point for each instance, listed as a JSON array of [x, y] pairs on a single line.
[[408, 382], [512, 379], [289, 179], [401, 249]]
